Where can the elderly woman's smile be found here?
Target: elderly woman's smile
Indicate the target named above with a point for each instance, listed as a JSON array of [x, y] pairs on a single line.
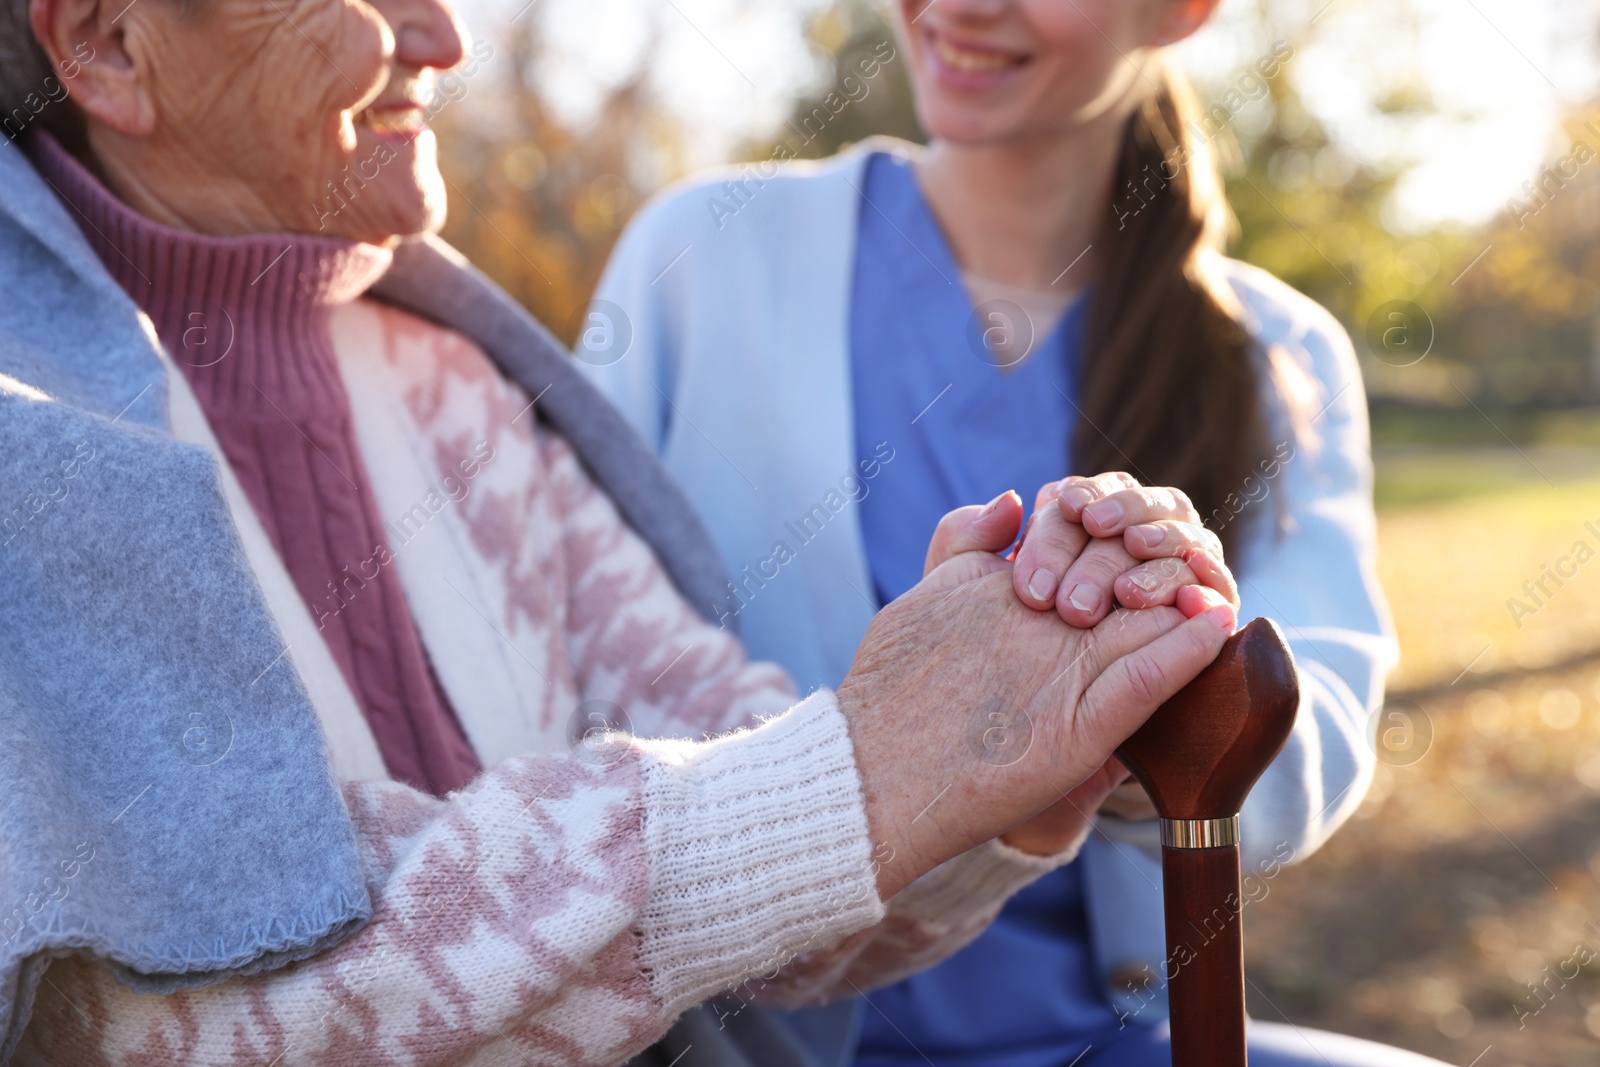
[[398, 123], [230, 117]]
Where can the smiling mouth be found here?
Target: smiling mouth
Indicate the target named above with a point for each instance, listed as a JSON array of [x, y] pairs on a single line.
[[971, 60], [403, 123]]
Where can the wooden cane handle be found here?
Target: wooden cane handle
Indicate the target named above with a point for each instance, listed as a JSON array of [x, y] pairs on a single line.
[[1197, 757], [1201, 751]]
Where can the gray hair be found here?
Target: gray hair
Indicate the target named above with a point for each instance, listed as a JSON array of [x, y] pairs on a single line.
[[24, 71]]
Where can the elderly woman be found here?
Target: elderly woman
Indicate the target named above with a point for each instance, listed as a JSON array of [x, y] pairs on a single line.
[[285, 494]]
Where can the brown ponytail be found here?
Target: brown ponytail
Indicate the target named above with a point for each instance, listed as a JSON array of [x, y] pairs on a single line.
[[1170, 387]]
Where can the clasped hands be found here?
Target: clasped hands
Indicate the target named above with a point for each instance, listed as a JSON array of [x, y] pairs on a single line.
[[987, 701]]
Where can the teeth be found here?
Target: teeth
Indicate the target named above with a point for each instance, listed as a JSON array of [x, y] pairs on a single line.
[[972, 62], [404, 123]]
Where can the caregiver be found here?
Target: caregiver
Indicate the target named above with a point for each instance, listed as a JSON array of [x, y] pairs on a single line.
[[1040, 284], [259, 526]]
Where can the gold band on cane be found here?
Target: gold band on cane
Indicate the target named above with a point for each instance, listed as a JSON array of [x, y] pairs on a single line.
[[1200, 833]]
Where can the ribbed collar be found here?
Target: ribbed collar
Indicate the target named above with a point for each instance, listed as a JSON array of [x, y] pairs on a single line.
[[245, 318]]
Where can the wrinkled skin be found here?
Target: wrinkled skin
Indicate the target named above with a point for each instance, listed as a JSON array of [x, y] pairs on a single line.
[[247, 116]]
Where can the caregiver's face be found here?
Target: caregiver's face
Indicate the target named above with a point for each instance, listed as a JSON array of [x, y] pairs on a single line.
[[313, 106], [990, 70]]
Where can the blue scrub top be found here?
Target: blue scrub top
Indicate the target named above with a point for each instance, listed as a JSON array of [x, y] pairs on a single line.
[[964, 431]]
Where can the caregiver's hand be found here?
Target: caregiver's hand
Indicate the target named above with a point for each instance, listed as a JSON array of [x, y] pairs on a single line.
[[958, 658], [1110, 540], [1153, 554]]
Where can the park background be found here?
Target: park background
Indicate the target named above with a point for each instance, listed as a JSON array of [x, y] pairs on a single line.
[[1429, 170]]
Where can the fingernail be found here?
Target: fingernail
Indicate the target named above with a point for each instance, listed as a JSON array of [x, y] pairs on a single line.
[[1042, 585], [994, 505], [1222, 617], [1149, 536], [1144, 580], [1083, 597], [1075, 497], [1104, 512]]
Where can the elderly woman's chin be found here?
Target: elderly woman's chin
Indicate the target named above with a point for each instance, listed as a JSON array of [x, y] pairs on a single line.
[[390, 190]]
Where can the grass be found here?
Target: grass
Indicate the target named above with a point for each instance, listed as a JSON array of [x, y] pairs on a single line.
[[1431, 474], [1462, 878], [1473, 871], [1468, 425], [1425, 456], [1454, 565]]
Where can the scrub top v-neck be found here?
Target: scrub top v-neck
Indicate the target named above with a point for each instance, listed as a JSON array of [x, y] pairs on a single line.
[[964, 430]]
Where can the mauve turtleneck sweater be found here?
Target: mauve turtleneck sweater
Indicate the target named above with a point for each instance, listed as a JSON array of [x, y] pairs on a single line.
[[247, 319]]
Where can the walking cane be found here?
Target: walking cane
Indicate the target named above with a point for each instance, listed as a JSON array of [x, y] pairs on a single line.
[[1197, 757]]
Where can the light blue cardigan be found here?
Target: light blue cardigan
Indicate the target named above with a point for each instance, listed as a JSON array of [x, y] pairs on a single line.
[[721, 330]]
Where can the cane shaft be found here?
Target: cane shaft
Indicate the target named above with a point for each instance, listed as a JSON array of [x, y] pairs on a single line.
[[1205, 956], [1197, 757]]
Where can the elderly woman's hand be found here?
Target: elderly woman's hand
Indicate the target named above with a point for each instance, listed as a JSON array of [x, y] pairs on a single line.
[[971, 712], [1162, 557]]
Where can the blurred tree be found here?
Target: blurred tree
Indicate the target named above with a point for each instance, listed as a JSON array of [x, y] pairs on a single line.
[[537, 205], [851, 37], [1317, 216], [1310, 213], [1520, 327], [1527, 314], [1509, 312]]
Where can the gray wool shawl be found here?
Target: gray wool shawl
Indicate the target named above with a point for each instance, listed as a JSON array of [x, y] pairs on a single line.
[[166, 802]]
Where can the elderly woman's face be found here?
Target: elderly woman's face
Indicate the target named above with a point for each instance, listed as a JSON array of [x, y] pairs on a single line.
[[311, 111]]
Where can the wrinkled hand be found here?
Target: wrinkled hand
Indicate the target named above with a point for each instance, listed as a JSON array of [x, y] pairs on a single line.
[[1067, 822], [1163, 556], [971, 712]]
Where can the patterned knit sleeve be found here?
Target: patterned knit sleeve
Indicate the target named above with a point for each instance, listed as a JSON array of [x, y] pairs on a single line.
[[635, 644], [927, 922], [697, 682], [561, 909]]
